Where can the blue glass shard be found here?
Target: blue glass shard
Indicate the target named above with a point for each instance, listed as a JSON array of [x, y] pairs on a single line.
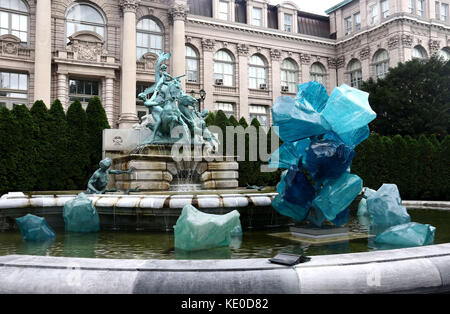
[[348, 110], [327, 159], [289, 154], [196, 230], [314, 93], [362, 206], [352, 138], [296, 120], [282, 184], [288, 209], [385, 207], [34, 228], [337, 194], [298, 189], [409, 234], [80, 215], [316, 217], [342, 218]]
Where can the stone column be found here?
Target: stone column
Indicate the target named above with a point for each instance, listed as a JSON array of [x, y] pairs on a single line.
[[243, 51], [305, 64], [109, 99], [178, 17], [364, 57], [275, 55], [43, 52], [128, 115], [62, 87], [208, 46]]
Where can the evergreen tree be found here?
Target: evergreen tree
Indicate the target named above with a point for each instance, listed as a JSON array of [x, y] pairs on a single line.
[[78, 156], [9, 152], [399, 162], [412, 173], [96, 122], [444, 161], [58, 137], [210, 119], [41, 117], [222, 122], [233, 121], [243, 122], [412, 104], [427, 156]]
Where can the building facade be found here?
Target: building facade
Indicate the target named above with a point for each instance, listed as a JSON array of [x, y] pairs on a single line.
[[242, 53]]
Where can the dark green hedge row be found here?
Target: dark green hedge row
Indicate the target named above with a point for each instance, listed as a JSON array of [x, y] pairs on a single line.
[[420, 167], [45, 149]]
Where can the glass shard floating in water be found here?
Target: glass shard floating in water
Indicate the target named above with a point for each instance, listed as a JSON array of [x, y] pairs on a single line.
[[384, 207], [362, 206], [196, 230], [327, 159], [297, 120], [34, 228], [409, 234], [336, 195], [80, 215]]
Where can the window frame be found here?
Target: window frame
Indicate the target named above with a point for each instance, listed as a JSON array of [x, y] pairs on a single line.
[[348, 25], [373, 13], [195, 58], [384, 13], [10, 30], [381, 64], [223, 64], [315, 74], [226, 112], [256, 67], [149, 33], [260, 16], [257, 115], [292, 86], [291, 25], [10, 101], [220, 14], [84, 101], [78, 22], [444, 9], [355, 74], [357, 25]]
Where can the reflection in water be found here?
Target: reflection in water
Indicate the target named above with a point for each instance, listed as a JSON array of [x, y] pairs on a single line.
[[217, 253], [80, 244], [236, 241], [35, 248], [340, 247]]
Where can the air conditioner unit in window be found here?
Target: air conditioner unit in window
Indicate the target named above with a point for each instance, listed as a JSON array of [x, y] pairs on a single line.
[[262, 86], [219, 81], [284, 88]]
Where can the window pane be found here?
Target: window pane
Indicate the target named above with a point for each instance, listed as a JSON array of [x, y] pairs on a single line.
[[5, 80], [14, 81], [4, 20], [23, 82]]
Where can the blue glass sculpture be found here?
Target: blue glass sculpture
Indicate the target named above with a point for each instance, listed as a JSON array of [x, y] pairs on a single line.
[[314, 93], [409, 234], [342, 218], [336, 195], [34, 228], [298, 190], [352, 138], [384, 207], [297, 120], [289, 154], [362, 206], [291, 210], [327, 159], [196, 230], [80, 215]]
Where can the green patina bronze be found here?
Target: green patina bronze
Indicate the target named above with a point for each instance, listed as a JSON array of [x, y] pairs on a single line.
[[99, 180], [171, 107]]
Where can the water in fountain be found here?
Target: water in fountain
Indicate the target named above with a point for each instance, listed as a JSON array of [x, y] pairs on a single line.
[[187, 178]]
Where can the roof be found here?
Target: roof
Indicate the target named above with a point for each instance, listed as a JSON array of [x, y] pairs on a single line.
[[338, 6]]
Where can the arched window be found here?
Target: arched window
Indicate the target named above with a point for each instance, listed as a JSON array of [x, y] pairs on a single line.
[[191, 64], [419, 52], [289, 76], [84, 17], [149, 37], [318, 72], [14, 19], [381, 63], [257, 72], [445, 54], [223, 68], [355, 72]]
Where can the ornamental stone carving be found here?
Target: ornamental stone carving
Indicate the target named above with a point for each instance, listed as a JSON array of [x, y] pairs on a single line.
[[147, 62], [10, 45], [129, 5], [434, 45], [305, 58], [332, 63], [364, 53], [178, 13], [407, 40], [393, 42], [340, 62], [275, 54], [86, 45], [242, 49], [208, 44]]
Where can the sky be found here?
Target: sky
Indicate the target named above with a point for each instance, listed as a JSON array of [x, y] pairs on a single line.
[[312, 6]]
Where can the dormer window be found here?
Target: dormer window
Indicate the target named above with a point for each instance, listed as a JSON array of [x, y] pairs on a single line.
[[357, 21], [287, 22], [373, 14], [348, 25], [385, 9], [257, 17], [223, 13]]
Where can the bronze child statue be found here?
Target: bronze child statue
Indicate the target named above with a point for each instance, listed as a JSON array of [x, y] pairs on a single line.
[[99, 180]]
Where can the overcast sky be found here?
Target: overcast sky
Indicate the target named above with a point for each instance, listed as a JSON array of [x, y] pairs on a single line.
[[312, 6]]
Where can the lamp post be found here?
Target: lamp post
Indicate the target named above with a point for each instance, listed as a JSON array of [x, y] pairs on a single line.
[[200, 100]]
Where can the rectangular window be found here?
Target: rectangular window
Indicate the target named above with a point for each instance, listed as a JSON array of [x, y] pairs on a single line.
[[373, 14], [223, 10], [257, 16], [13, 89], [411, 6], [288, 22], [83, 90], [421, 8], [227, 108], [260, 113], [444, 12], [437, 10], [357, 21], [348, 25], [385, 8]]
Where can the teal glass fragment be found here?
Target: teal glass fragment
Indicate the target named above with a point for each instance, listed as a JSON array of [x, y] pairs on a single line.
[[314, 93], [297, 120], [289, 154], [34, 228], [342, 218], [327, 159], [298, 190], [362, 206], [352, 138], [288, 209], [385, 207], [348, 110], [196, 230], [316, 217], [337, 194], [80, 215], [409, 234]]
